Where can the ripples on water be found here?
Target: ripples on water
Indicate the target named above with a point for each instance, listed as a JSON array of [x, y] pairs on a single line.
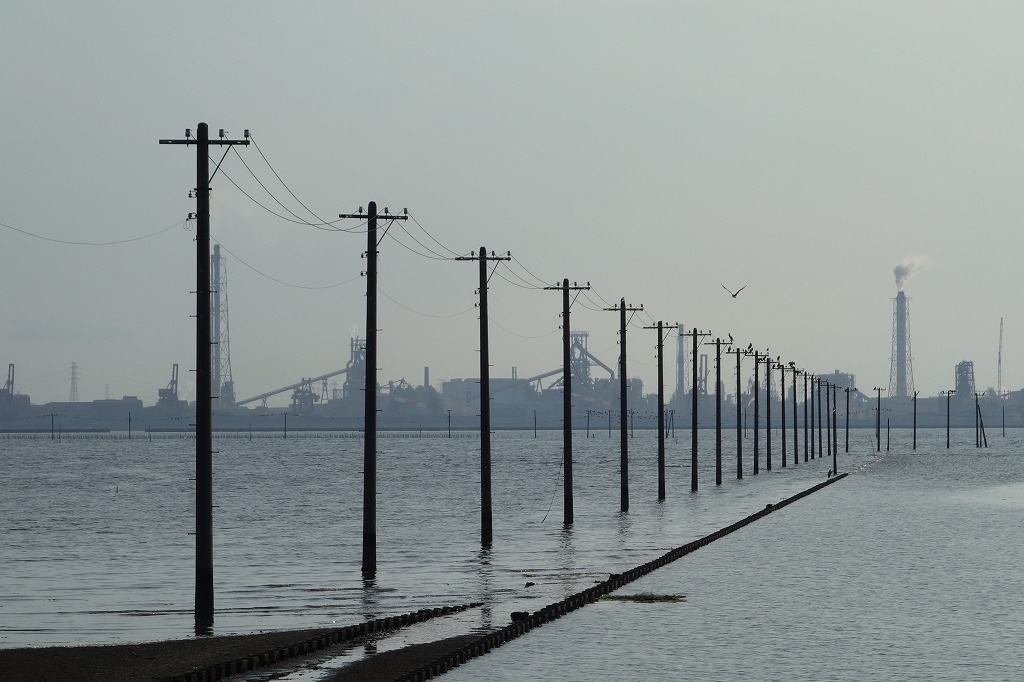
[[911, 566], [910, 571]]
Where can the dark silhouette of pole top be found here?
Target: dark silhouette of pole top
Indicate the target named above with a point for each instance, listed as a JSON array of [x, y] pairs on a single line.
[[737, 292]]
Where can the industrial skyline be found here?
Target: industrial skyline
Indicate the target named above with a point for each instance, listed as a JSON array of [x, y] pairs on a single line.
[[654, 151]]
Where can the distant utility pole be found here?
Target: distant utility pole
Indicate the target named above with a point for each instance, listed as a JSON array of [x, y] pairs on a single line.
[[661, 406], [739, 416], [696, 334], [370, 386], [757, 407], [486, 533], [623, 406], [796, 430], [204, 378], [782, 409], [567, 501]]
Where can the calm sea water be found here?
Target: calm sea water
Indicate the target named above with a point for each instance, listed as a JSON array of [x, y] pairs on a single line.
[[908, 570]]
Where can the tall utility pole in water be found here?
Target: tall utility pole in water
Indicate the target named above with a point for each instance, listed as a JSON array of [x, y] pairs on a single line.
[[370, 386], [486, 533], [693, 417], [623, 405], [204, 392], [567, 500], [661, 407]]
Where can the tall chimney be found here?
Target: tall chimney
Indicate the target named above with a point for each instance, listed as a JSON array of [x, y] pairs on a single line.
[[901, 373]]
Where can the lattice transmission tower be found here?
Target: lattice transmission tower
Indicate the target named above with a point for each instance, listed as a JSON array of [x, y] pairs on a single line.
[[901, 372], [223, 383], [73, 395]]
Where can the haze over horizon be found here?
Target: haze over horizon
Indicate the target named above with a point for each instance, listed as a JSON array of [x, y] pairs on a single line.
[[811, 152]]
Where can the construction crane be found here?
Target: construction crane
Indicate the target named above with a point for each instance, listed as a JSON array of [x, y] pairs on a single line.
[[168, 397]]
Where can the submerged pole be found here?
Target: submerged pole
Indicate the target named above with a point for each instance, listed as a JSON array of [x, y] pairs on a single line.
[[623, 406], [782, 409], [739, 419], [567, 501], [757, 412], [693, 421], [718, 411]]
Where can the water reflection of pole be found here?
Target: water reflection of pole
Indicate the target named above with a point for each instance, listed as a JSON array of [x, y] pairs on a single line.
[[486, 573], [370, 610], [915, 420]]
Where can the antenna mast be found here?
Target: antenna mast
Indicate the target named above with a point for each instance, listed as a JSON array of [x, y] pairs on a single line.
[[999, 377]]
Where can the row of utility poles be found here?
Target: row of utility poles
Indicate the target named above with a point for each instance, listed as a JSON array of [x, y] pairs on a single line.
[[204, 605]]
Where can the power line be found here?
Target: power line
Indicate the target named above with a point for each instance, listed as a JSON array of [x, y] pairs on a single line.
[[519, 263], [435, 254], [322, 221], [287, 284], [522, 336], [432, 236], [525, 285], [354, 229], [417, 312], [77, 243]]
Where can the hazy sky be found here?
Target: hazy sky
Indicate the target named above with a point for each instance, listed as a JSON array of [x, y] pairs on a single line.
[[655, 149]]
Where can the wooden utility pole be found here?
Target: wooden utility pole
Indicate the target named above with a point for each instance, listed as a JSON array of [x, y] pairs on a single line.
[[204, 380], [661, 407], [486, 533], [370, 386], [567, 500], [693, 417], [623, 406]]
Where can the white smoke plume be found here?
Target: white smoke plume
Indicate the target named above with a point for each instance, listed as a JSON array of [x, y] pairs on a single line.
[[907, 267]]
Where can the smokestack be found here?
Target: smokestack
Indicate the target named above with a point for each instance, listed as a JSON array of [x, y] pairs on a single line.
[[901, 373], [901, 344]]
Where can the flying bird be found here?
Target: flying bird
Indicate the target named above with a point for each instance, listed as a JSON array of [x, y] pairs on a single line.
[[737, 292]]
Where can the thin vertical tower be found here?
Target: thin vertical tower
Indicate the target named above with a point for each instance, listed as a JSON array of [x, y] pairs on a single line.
[[223, 384], [901, 372], [680, 367], [999, 362], [73, 395]]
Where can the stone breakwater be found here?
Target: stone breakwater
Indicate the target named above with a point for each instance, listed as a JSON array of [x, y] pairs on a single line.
[[524, 622]]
